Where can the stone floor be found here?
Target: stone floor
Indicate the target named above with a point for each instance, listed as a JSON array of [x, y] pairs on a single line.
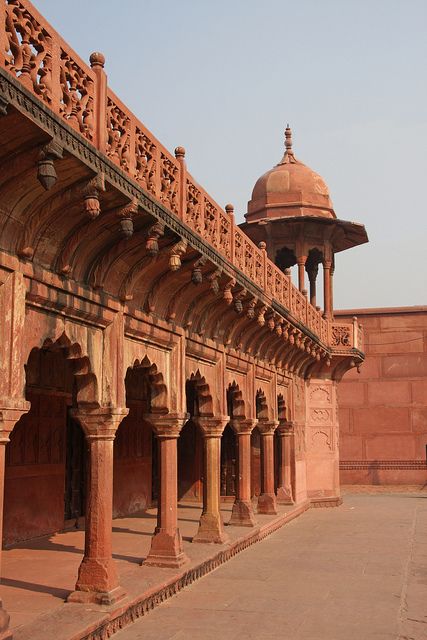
[[356, 572], [38, 575]]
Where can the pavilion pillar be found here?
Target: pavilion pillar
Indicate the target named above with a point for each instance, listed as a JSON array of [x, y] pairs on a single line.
[[301, 272], [285, 494], [327, 289], [97, 578], [332, 288], [211, 526], [11, 411], [242, 514], [267, 498], [166, 545]]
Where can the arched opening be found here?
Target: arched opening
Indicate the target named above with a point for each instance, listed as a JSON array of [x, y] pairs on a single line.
[[256, 458], [135, 484], [278, 442], [229, 471], [46, 459], [228, 462], [285, 260], [314, 258], [190, 447]]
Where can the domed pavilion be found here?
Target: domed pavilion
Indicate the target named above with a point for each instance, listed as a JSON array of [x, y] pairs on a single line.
[[292, 213]]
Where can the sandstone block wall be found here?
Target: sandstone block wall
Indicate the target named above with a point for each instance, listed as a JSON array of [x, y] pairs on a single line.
[[383, 409]]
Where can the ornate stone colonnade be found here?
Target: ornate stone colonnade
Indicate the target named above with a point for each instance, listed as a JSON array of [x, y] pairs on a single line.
[[131, 303]]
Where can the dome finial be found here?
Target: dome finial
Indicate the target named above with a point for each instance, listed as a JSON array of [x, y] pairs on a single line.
[[288, 139]]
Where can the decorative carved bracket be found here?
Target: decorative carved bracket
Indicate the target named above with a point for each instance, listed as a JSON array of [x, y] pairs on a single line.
[[46, 173], [155, 232], [176, 253], [90, 193], [125, 215]]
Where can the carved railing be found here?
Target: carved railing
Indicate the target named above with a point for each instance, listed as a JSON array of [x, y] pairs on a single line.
[[34, 53]]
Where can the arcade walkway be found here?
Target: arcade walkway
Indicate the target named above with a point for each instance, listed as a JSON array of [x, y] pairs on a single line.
[[359, 571]]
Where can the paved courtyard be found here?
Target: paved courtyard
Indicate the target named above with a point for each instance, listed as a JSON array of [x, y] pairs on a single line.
[[359, 571]]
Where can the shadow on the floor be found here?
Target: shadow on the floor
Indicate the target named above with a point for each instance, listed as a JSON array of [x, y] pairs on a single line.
[[32, 586]]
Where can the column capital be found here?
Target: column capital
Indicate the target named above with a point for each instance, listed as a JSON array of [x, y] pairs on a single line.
[[211, 426], [285, 428], [167, 425], [100, 423], [11, 410], [267, 426], [243, 425]]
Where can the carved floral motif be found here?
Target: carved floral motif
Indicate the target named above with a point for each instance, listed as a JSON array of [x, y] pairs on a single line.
[[118, 126], [168, 183], [193, 210], [28, 50], [210, 223], [145, 162], [341, 336], [77, 91]]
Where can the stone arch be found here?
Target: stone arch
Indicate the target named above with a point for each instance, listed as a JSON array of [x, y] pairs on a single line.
[[197, 388], [85, 379], [235, 402], [135, 477], [261, 405], [153, 382], [50, 442], [282, 413]]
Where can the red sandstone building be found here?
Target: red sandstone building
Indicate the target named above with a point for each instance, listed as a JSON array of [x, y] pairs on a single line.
[[151, 350]]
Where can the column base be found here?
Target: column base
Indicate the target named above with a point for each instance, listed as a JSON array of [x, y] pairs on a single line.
[[211, 529], [284, 496], [97, 582], [166, 551], [97, 597], [267, 504], [5, 632], [242, 514]]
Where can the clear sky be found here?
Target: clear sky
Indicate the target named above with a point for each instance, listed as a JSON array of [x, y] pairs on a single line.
[[223, 77]]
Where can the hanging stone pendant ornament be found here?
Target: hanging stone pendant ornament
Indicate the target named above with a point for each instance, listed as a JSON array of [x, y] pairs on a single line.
[[155, 232], [46, 173], [177, 251], [91, 204], [126, 214]]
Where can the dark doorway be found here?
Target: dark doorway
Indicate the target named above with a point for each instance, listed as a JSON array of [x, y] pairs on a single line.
[[228, 462], [75, 470]]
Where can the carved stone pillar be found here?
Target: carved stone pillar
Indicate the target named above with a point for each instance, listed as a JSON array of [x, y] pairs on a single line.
[[327, 291], [166, 545], [285, 490], [211, 526], [11, 411], [243, 514], [301, 271], [97, 578], [267, 498]]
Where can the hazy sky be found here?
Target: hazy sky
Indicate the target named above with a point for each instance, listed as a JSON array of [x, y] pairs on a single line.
[[223, 77]]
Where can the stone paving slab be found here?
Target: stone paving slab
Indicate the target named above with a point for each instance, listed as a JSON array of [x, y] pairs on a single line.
[[39, 574], [357, 572]]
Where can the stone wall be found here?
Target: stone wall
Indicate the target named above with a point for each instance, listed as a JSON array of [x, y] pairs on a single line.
[[383, 409]]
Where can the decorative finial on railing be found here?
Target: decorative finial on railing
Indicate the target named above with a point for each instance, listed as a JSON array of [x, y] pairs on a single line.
[[229, 209], [97, 59], [179, 152]]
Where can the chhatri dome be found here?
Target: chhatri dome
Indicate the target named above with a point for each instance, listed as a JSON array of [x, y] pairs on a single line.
[[290, 189]]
